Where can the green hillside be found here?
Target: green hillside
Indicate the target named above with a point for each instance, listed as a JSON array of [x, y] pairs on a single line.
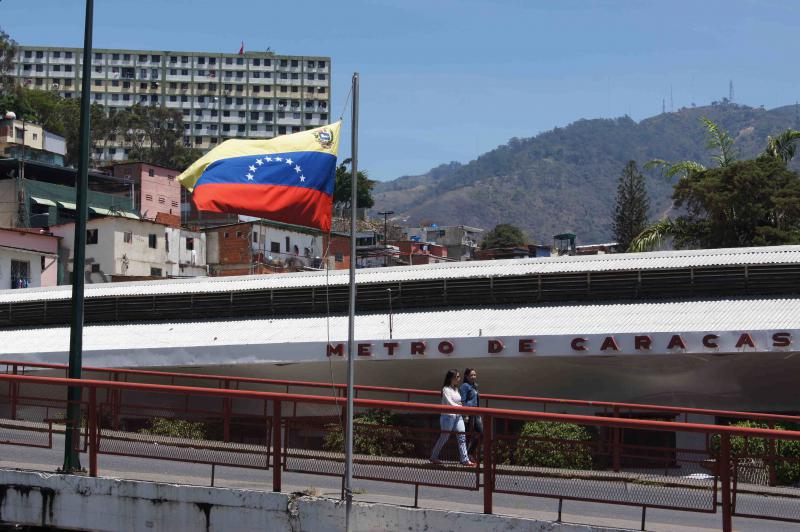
[[565, 179]]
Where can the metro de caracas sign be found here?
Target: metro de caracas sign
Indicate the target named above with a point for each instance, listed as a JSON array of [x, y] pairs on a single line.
[[583, 345]]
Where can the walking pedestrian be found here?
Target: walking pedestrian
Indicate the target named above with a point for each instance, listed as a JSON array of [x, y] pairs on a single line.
[[471, 397], [452, 422]]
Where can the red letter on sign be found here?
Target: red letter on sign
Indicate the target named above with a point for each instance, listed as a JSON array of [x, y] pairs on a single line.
[[527, 346], [709, 340], [609, 343], [417, 348], [446, 347], [642, 342], [577, 344], [495, 346], [364, 350], [390, 347], [338, 350], [745, 339], [781, 339], [676, 341]]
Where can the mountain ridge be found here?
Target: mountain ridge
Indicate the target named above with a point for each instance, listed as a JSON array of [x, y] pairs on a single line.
[[565, 179]]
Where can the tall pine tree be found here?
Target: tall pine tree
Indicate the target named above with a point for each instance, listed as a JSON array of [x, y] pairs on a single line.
[[632, 206]]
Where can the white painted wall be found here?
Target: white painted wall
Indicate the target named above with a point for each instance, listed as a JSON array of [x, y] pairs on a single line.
[[308, 246], [112, 253], [106, 504], [34, 266], [183, 261]]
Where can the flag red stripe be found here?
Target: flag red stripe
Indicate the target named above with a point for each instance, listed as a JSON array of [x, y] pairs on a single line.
[[294, 205]]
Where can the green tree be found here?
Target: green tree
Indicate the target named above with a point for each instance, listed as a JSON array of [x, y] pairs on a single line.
[[503, 236], [632, 206], [8, 49], [765, 220], [342, 188]]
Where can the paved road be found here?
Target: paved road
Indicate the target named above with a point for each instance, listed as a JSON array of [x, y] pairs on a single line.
[[372, 491]]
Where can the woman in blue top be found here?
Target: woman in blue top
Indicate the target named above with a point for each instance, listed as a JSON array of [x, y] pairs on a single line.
[[470, 397]]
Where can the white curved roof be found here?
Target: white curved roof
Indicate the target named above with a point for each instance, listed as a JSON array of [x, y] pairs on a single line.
[[742, 314], [450, 270]]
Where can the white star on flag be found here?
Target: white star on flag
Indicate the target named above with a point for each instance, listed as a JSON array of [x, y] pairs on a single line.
[[259, 162], [249, 177], [289, 162], [268, 159], [278, 159], [302, 179], [297, 169], [252, 168]]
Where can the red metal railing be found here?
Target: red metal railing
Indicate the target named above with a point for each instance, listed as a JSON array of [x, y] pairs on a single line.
[[610, 408], [692, 467]]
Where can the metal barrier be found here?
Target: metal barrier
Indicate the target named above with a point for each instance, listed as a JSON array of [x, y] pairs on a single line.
[[687, 466], [606, 408]]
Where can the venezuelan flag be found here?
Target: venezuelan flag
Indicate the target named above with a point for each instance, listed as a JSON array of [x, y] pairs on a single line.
[[287, 179]]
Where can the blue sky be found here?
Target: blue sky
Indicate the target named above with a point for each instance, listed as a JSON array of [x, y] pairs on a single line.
[[445, 80]]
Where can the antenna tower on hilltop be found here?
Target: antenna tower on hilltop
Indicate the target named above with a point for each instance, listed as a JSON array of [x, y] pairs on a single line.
[[730, 91], [663, 106], [671, 105]]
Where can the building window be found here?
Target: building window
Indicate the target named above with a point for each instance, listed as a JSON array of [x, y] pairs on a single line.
[[151, 241], [287, 244], [155, 272], [189, 244], [174, 203], [275, 247], [151, 172], [20, 274], [91, 236], [162, 199], [127, 237], [95, 268], [148, 197], [255, 237], [339, 257], [225, 235]]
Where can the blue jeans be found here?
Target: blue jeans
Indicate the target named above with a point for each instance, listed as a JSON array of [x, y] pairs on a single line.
[[450, 423]]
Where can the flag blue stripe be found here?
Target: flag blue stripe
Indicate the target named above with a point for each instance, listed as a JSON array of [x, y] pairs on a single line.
[[308, 169]]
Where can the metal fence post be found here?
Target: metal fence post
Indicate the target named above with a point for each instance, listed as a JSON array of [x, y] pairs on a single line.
[[725, 465], [488, 475], [226, 422], [616, 437], [94, 438], [276, 445], [14, 389]]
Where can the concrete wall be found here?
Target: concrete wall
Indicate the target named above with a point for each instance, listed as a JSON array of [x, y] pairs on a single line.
[[76, 502]]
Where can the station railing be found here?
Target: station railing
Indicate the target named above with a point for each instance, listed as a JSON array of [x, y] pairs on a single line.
[[672, 465], [545, 404]]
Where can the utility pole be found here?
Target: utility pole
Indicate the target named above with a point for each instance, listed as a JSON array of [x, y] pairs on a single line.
[[385, 234]]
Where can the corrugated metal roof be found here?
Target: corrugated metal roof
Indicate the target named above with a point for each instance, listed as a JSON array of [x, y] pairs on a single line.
[[451, 270], [746, 314]]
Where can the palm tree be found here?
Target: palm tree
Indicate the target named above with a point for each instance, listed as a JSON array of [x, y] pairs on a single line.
[[781, 146]]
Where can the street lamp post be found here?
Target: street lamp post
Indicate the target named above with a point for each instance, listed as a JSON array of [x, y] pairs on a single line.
[[385, 233]]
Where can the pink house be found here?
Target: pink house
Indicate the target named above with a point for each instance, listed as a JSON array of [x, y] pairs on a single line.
[[28, 258], [156, 188]]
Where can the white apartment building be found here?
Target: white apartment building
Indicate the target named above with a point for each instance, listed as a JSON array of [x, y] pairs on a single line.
[[253, 95], [117, 247], [186, 253]]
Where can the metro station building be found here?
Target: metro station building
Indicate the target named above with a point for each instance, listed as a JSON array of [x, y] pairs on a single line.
[[704, 328]]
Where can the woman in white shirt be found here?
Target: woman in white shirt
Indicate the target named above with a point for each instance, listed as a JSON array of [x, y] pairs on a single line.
[[452, 422]]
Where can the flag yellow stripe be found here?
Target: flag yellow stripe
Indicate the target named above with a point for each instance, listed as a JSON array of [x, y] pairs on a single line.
[[302, 141]]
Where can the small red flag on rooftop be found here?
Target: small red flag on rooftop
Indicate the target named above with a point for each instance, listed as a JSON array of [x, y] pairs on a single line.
[[241, 49]]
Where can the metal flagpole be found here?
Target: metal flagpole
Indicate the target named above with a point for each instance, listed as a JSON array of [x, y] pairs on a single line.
[[348, 459], [71, 435]]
